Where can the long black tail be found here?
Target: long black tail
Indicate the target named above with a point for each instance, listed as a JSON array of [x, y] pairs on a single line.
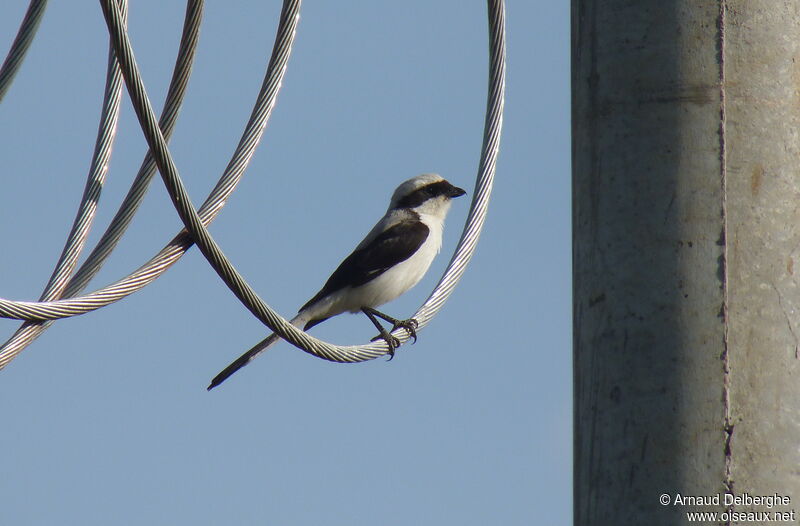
[[229, 370], [243, 360], [298, 321]]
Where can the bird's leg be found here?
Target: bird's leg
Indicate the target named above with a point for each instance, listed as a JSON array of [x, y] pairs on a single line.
[[391, 341], [409, 325]]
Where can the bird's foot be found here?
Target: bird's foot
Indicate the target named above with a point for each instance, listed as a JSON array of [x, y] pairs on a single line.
[[410, 325], [390, 340]]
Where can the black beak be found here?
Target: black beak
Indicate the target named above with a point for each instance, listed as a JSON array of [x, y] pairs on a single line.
[[455, 191]]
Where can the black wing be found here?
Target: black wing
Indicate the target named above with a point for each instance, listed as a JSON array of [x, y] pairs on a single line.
[[389, 248]]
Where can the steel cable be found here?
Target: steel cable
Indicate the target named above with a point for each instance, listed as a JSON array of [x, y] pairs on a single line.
[[87, 208], [40, 311], [493, 126], [25, 34], [67, 286]]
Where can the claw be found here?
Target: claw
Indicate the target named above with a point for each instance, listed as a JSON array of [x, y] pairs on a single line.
[[410, 325], [390, 340]]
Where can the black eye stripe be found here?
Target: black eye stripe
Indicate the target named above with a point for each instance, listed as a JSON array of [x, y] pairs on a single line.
[[422, 194]]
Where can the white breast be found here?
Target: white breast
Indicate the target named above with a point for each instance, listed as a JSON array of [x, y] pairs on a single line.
[[392, 283], [400, 278]]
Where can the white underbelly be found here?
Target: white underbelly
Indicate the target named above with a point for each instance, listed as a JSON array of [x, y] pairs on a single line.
[[395, 281], [389, 285]]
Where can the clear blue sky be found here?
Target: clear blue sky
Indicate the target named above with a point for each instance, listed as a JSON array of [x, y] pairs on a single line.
[[106, 419]]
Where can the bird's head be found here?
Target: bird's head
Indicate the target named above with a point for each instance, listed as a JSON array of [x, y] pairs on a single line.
[[425, 194]]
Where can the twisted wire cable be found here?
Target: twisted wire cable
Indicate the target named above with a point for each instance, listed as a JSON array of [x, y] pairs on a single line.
[[152, 269], [106, 132], [60, 283], [87, 208], [493, 125], [51, 310], [222, 265], [25, 34]]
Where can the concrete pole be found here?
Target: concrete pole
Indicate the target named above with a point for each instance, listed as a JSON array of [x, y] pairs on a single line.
[[686, 173]]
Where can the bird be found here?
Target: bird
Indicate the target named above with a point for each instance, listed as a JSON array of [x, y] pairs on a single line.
[[391, 259]]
